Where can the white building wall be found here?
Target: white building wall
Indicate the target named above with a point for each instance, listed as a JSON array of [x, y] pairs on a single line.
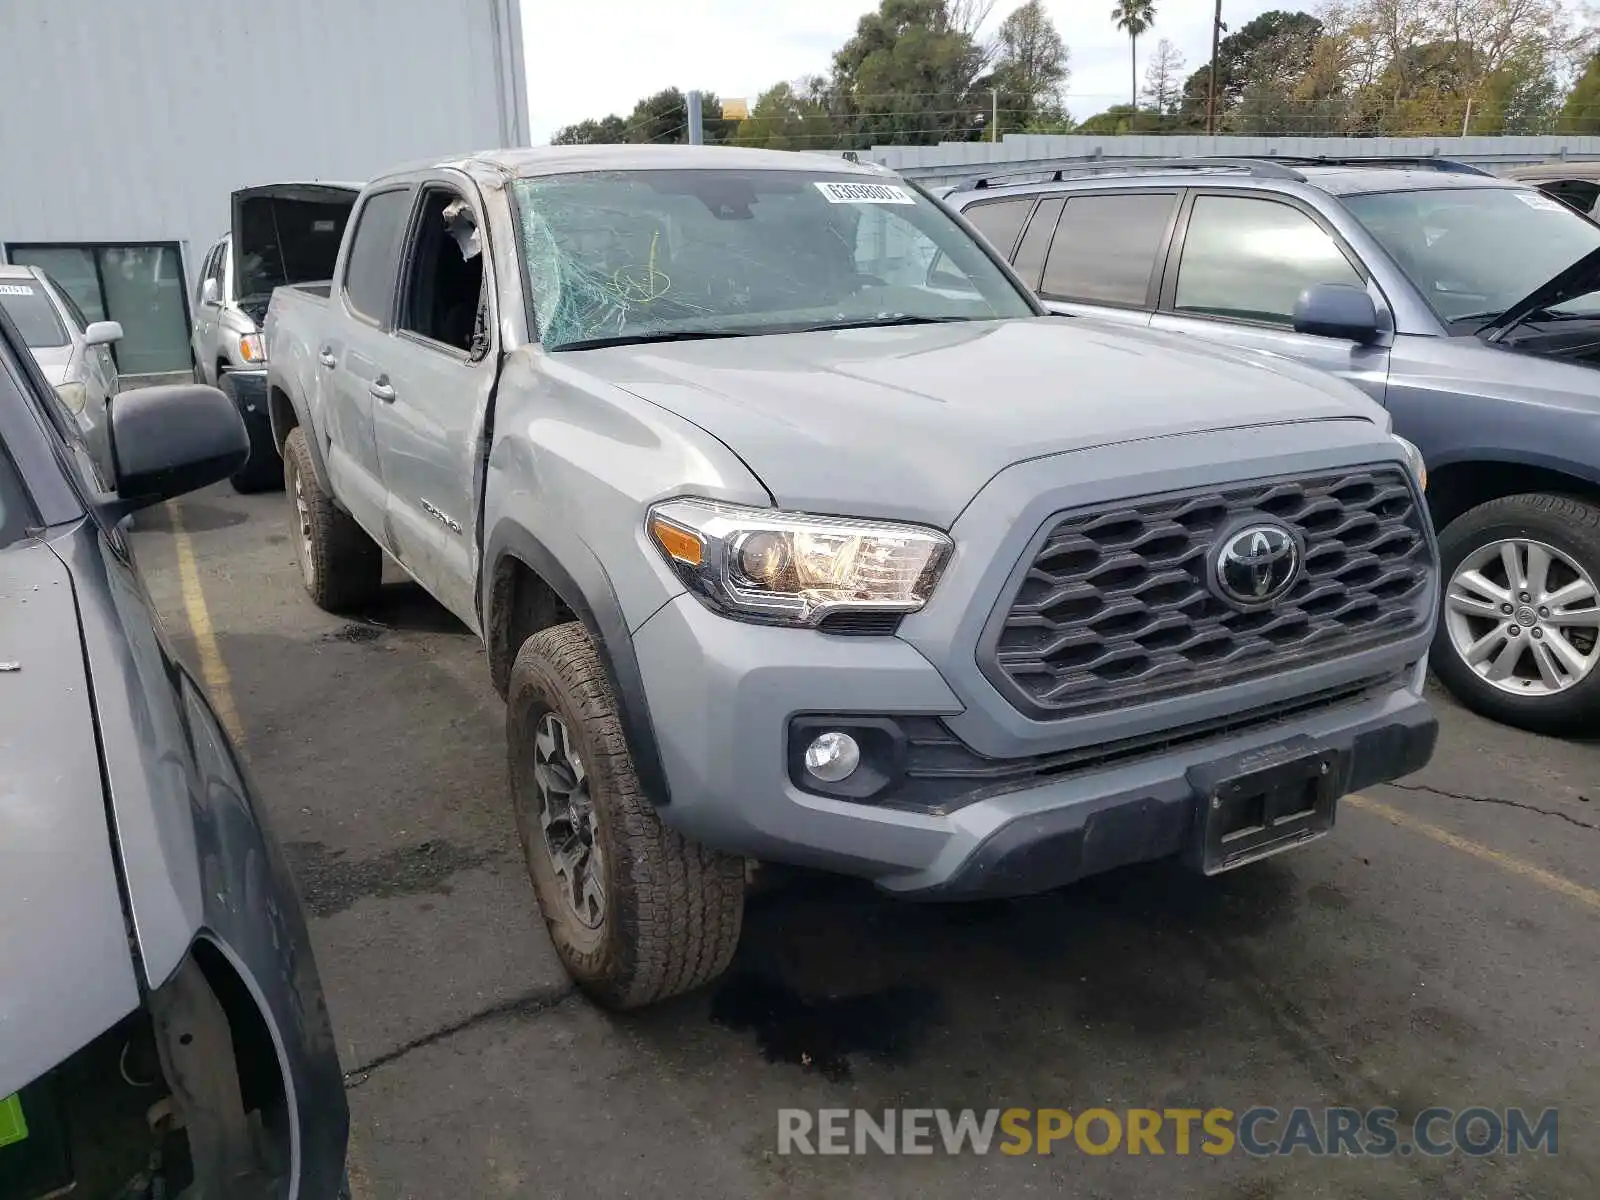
[[133, 120]]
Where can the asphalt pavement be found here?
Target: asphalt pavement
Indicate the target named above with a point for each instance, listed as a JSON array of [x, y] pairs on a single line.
[[1436, 951]]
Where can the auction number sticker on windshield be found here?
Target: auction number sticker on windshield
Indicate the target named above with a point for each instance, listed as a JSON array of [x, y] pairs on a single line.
[[864, 193], [1539, 200], [15, 289]]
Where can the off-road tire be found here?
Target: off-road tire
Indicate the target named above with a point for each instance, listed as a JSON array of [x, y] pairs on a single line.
[[1571, 526], [673, 908], [342, 568]]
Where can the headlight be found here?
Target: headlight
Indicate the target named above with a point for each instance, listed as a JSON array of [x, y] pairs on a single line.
[[1414, 458], [252, 349], [758, 564], [74, 395]]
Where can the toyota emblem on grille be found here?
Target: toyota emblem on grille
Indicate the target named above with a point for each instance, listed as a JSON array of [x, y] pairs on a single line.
[[1257, 564]]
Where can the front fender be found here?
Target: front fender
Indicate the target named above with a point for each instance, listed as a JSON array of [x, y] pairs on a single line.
[[579, 579], [197, 860]]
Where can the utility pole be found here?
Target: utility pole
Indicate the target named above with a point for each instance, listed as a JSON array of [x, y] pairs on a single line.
[[994, 120], [697, 132], [1211, 85]]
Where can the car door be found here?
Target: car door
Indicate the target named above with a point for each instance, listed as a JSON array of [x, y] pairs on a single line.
[[1237, 265], [440, 365], [352, 356], [207, 314], [1098, 253]]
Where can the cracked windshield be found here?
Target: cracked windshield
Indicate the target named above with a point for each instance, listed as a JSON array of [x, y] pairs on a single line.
[[800, 600], [648, 254]]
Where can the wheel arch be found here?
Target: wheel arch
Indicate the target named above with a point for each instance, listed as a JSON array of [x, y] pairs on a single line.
[[1460, 485], [527, 588]]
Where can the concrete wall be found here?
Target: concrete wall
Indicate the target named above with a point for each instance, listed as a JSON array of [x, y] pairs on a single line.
[[952, 161]]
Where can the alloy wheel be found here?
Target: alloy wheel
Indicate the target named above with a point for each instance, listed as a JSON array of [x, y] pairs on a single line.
[[1524, 617]]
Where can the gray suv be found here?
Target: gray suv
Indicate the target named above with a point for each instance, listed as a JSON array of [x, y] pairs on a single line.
[[1464, 303]]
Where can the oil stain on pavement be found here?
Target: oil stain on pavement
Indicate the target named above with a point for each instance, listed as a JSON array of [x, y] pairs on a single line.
[[820, 1033]]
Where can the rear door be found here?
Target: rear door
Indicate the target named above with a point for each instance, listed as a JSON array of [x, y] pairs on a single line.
[[440, 366], [1102, 254], [351, 355], [1239, 261]]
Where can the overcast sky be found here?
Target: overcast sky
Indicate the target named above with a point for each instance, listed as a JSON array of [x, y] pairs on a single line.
[[594, 57]]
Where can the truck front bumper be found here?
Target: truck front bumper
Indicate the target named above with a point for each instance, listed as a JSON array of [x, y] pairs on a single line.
[[733, 706], [248, 391]]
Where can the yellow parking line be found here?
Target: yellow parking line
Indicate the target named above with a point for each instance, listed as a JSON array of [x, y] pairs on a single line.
[[212, 669], [1506, 862], [219, 686]]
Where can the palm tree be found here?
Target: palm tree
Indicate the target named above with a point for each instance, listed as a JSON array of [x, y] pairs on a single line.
[[1135, 17]]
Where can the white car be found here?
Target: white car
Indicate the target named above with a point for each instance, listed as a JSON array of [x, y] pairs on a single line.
[[73, 352]]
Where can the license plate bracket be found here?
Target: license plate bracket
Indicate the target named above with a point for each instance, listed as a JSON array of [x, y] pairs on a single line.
[[1246, 816]]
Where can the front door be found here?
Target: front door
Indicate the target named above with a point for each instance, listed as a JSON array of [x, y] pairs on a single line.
[[1239, 264], [441, 366]]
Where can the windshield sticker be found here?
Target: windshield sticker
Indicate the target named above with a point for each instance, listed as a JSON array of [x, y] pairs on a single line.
[[864, 193], [1539, 200], [15, 289]]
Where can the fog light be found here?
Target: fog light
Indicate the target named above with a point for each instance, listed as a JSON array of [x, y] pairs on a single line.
[[833, 757]]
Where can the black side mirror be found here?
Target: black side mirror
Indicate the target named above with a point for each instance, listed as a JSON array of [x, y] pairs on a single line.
[[1337, 310], [167, 441]]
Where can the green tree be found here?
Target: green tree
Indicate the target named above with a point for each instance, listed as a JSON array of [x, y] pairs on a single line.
[[1134, 17], [907, 74], [789, 117], [606, 131], [1580, 113], [1030, 67], [1267, 57]]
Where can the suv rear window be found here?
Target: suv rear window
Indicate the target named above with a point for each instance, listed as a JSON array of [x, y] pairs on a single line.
[[1000, 221], [1105, 247]]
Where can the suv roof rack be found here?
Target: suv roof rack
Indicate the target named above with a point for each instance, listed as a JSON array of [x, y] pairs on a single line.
[[1264, 168], [1422, 161]]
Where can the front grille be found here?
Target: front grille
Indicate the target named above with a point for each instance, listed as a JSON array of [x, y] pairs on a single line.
[[1115, 608]]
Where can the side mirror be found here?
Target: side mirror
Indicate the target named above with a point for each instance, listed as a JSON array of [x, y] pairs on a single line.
[[167, 441], [1337, 310], [102, 333], [210, 293]]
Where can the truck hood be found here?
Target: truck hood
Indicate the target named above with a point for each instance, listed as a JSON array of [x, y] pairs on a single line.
[[66, 972], [287, 233], [909, 423]]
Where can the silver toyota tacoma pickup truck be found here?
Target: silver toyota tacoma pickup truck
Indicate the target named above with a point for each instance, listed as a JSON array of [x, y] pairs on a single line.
[[797, 531]]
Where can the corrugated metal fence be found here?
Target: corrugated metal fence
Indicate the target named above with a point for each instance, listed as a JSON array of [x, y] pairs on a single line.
[[949, 162]]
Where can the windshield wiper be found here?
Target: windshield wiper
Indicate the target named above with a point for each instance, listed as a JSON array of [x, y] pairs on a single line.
[[660, 335], [876, 323]]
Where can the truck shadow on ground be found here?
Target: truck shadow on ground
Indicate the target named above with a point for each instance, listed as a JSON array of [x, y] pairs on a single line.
[[198, 517], [829, 971]]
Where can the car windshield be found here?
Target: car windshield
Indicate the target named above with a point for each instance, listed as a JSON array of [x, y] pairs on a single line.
[[626, 256], [1474, 252], [33, 313]]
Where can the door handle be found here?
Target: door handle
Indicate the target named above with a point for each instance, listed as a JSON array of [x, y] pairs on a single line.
[[380, 388], [327, 359]]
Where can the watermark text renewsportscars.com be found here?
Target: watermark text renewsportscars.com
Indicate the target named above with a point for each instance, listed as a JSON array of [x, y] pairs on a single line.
[[1259, 1132]]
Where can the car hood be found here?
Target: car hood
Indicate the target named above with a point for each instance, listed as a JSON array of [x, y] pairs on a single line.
[[1581, 278], [53, 362], [911, 422], [287, 233], [66, 971]]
